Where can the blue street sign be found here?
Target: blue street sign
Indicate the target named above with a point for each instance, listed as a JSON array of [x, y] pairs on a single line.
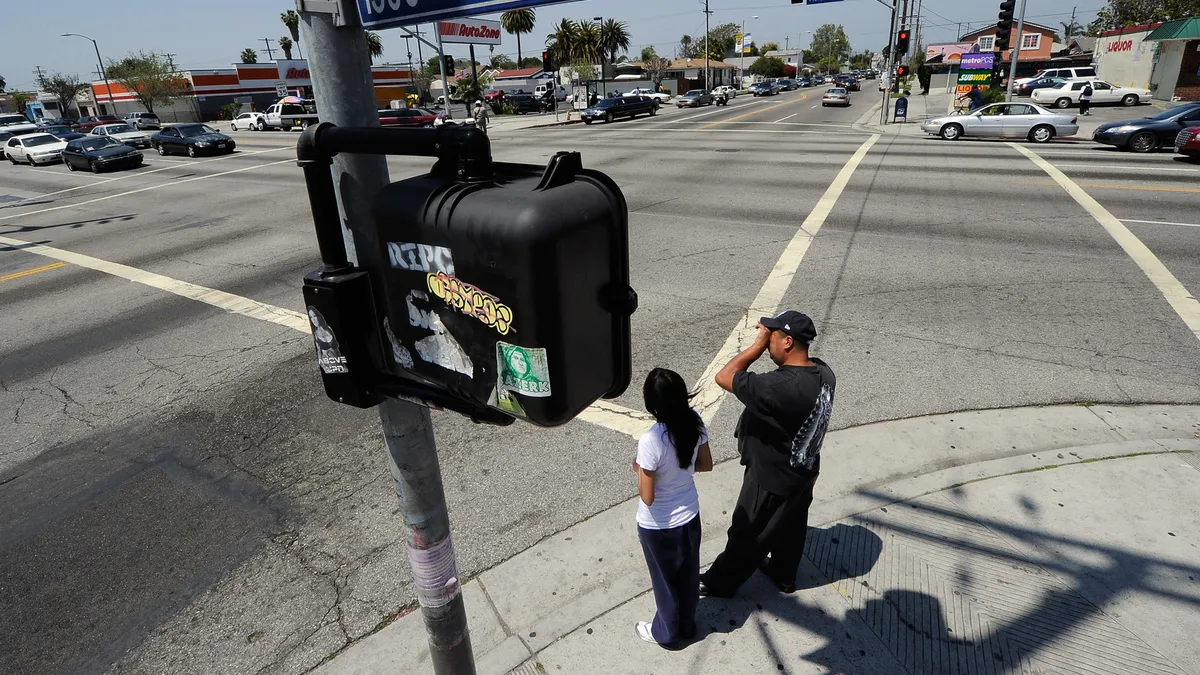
[[390, 13]]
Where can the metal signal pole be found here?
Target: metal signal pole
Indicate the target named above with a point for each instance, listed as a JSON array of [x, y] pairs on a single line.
[[1016, 54], [342, 85]]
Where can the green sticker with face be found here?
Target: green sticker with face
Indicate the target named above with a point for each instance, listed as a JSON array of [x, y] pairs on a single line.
[[522, 370]]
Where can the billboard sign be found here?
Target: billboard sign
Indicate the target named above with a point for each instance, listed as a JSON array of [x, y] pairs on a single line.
[[975, 70], [470, 31], [983, 61], [747, 40], [376, 14]]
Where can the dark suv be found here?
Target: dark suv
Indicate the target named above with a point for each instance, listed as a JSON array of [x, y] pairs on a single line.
[[523, 103]]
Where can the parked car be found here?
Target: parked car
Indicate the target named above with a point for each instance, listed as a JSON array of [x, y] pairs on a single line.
[[560, 92], [804, 82], [100, 153], [1031, 86], [86, 124], [728, 91], [34, 148], [63, 131], [1079, 73], [143, 120], [523, 103], [1149, 133], [124, 133], [608, 109], [1005, 120], [763, 89], [4, 136], [247, 121], [847, 82], [835, 96], [17, 124], [1187, 143], [660, 96], [193, 139], [1067, 94], [406, 117], [694, 99], [787, 84]]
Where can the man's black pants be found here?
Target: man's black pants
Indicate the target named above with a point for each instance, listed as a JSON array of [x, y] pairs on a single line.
[[763, 522], [1084, 106]]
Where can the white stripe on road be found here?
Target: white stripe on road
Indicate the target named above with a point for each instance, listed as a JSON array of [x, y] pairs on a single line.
[[785, 118], [229, 302], [1123, 167], [145, 189], [60, 173], [1158, 222], [1184, 304]]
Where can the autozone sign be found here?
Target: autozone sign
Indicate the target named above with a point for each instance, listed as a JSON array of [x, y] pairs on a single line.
[[1120, 46], [470, 31]]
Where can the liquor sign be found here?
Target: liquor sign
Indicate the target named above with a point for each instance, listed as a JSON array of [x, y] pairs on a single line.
[[378, 14], [975, 70], [470, 31]]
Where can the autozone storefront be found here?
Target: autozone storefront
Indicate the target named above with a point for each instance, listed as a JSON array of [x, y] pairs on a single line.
[[251, 84]]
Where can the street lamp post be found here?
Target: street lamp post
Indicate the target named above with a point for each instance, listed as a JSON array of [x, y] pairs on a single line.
[[742, 55], [103, 70], [603, 80]]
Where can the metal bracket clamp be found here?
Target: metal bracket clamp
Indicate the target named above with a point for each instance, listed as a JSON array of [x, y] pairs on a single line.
[[335, 7]]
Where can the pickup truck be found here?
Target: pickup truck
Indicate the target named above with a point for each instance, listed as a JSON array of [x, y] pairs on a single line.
[[287, 115], [660, 96]]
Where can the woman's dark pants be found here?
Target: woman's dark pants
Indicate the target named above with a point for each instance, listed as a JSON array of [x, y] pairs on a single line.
[[673, 557]]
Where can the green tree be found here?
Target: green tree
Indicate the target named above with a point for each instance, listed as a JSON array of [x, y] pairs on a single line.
[[374, 45], [1071, 28], [1124, 13], [530, 62], [768, 47], [434, 64], [21, 99], [656, 68], [721, 41], [3, 84], [292, 20], [767, 66], [518, 22], [65, 88], [863, 60], [613, 38], [470, 89], [829, 41], [285, 43], [688, 48], [501, 62], [150, 76], [249, 55], [830, 65]]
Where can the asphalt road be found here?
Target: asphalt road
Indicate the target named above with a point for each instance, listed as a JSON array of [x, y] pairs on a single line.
[[177, 494]]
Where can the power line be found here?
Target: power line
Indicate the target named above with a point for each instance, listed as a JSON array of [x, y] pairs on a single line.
[[270, 54]]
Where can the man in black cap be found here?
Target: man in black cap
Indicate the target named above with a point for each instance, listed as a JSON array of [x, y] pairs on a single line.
[[779, 438]]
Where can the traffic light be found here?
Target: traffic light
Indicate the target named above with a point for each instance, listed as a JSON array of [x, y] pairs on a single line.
[[902, 42], [548, 64], [901, 72], [449, 63], [1004, 27]]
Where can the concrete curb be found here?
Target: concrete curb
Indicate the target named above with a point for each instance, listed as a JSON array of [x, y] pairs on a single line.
[[556, 587]]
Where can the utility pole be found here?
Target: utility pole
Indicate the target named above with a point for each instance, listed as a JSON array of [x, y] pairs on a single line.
[[889, 60], [270, 54], [41, 76], [1016, 53], [341, 77], [707, 30], [170, 61], [475, 78], [1071, 25]]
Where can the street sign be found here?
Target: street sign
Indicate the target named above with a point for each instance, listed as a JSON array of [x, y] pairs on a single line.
[[281, 89], [747, 40], [390, 13]]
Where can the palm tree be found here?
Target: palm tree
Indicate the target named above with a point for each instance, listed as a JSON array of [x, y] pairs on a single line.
[[285, 43], [587, 42], [516, 22], [374, 45], [1071, 28], [249, 55], [562, 41], [292, 20], [613, 38]]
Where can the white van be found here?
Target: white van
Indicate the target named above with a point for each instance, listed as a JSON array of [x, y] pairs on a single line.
[[560, 92], [1065, 73]]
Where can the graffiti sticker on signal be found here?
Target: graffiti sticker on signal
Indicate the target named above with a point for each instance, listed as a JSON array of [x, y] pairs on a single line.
[[472, 301]]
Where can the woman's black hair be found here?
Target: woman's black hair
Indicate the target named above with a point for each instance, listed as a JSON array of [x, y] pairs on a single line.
[[667, 398]]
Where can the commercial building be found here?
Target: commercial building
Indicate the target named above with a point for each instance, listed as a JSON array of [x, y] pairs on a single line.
[[1176, 76]]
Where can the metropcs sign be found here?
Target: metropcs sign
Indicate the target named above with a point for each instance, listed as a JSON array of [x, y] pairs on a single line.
[[470, 31]]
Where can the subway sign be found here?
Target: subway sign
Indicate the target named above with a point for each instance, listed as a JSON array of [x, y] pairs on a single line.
[[378, 14]]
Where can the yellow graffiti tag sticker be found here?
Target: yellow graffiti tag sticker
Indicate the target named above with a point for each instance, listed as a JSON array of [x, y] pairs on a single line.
[[471, 301]]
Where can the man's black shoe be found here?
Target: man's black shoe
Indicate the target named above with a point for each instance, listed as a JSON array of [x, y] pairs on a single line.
[[788, 587], [706, 592]]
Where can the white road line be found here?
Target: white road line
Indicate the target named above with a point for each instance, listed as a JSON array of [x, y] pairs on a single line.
[[1123, 167], [141, 173], [60, 173], [145, 189], [1158, 222], [1184, 304], [234, 304], [785, 118], [705, 114], [746, 131]]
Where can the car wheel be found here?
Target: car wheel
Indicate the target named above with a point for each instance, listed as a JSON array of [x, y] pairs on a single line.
[[262, 126], [1143, 142], [608, 118], [951, 132], [1129, 100], [94, 167], [1063, 102], [587, 121], [654, 111], [1041, 134], [13, 160], [70, 166], [162, 149], [191, 149]]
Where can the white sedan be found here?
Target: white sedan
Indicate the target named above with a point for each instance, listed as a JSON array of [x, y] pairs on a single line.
[[1005, 120], [35, 149], [661, 97], [1067, 94], [124, 133], [248, 121], [729, 91]]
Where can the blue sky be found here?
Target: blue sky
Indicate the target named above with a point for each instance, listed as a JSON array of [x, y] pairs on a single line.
[[212, 33]]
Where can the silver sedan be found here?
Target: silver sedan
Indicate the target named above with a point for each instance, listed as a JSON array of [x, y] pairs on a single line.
[[1005, 120]]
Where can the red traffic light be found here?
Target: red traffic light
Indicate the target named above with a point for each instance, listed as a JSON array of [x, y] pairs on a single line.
[[901, 71]]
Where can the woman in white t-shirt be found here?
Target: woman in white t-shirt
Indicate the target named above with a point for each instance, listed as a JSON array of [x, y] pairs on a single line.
[[668, 514]]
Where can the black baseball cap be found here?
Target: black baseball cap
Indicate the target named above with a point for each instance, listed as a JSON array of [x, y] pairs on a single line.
[[793, 323]]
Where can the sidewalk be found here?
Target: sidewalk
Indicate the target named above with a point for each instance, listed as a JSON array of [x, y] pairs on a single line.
[[1057, 539]]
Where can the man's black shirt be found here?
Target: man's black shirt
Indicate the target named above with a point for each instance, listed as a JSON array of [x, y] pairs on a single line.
[[777, 404]]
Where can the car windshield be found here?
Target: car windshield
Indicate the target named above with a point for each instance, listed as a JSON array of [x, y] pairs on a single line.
[[40, 140], [190, 130], [692, 94], [100, 143], [13, 119], [606, 103], [1168, 114], [120, 129]]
